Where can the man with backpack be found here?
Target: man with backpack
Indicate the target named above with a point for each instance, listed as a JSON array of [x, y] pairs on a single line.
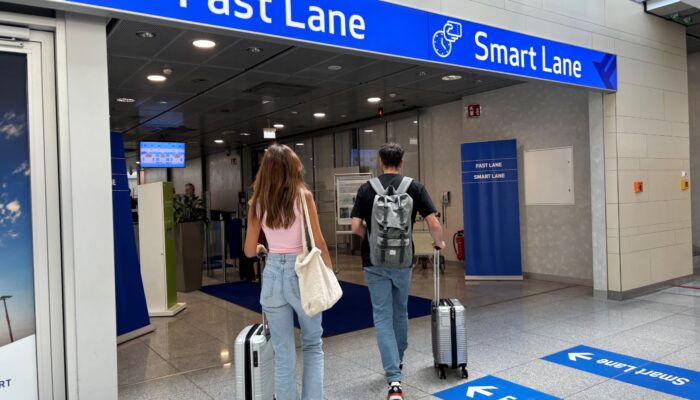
[[388, 206]]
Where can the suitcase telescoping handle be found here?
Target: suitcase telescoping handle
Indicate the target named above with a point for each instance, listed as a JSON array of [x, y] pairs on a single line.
[[262, 257], [436, 275]]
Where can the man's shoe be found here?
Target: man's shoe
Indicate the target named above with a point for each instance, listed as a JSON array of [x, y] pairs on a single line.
[[395, 392]]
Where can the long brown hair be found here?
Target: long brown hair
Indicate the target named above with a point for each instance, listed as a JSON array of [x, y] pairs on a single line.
[[277, 187]]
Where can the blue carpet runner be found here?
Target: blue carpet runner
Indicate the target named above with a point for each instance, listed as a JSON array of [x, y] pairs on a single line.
[[352, 313]]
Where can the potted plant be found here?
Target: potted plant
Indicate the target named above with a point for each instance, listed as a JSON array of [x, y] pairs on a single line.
[[190, 219]]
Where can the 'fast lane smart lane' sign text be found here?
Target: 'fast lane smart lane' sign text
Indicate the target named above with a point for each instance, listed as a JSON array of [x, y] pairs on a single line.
[[384, 28], [660, 377]]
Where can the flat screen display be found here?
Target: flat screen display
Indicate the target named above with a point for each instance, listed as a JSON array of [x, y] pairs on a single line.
[[162, 155]]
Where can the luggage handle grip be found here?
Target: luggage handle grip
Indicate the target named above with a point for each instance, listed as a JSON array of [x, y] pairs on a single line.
[[436, 275], [262, 257]]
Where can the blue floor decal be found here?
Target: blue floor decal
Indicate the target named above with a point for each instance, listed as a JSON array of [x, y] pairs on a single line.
[[660, 377], [490, 387]]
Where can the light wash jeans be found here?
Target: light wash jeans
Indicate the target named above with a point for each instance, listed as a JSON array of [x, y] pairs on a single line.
[[389, 288], [280, 300]]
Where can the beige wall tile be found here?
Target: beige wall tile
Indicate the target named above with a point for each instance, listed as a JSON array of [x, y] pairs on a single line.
[[635, 270], [643, 125], [661, 163], [627, 164], [676, 105], [611, 187], [631, 145], [667, 147], [679, 210], [671, 262], [642, 214], [640, 101], [681, 129], [614, 272], [631, 244], [684, 236], [665, 185]]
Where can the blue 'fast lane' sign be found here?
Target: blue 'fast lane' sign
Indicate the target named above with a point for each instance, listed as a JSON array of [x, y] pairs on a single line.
[[491, 387], [660, 377], [385, 28]]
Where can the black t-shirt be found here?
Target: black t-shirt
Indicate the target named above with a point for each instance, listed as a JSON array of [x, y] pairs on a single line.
[[365, 199]]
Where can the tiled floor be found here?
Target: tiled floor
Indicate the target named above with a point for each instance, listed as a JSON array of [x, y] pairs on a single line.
[[511, 326]]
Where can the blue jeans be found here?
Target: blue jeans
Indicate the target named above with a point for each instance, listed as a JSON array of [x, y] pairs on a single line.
[[389, 288], [280, 300]]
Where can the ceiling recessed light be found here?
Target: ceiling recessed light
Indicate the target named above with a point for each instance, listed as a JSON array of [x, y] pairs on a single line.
[[245, 134], [343, 116], [294, 112], [374, 99], [478, 81], [157, 78], [300, 144], [145, 34], [138, 162], [415, 122], [320, 115], [335, 67], [125, 100], [254, 50], [162, 102], [422, 73], [451, 77], [219, 141], [392, 95], [266, 102], [204, 44], [369, 130], [278, 126]]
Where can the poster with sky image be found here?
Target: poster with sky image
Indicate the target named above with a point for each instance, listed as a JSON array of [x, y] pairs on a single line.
[[17, 316]]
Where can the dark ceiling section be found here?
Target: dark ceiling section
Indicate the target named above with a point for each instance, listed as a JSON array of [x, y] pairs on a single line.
[[231, 89]]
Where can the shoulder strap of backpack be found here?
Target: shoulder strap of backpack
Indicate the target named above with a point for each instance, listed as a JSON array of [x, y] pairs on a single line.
[[405, 184], [377, 186]]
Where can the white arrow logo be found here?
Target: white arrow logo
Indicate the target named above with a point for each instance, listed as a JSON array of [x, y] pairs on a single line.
[[483, 390], [583, 356]]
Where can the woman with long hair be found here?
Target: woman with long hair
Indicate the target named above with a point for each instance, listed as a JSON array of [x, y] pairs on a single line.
[[276, 207]]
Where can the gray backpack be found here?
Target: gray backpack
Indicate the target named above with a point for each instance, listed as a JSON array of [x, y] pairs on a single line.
[[390, 232]]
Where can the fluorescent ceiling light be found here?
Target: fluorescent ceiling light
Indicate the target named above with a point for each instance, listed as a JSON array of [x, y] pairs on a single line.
[[204, 44], [374, 99], [300, 144], [415, 122], [279, 126], [335, 67], [219, 141], [138, 162], [125, 100], [451, 77], [157, 78], [369, 130], [245, 134], [255, 50], [145, 34], [320, 115]]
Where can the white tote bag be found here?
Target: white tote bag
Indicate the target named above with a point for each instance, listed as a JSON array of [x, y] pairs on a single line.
[[318, 286]]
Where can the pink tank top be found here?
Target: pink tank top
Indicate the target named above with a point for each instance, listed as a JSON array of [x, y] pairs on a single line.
[[285, 241]]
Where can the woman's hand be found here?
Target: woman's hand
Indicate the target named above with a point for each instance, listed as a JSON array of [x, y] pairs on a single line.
[[261, 249]]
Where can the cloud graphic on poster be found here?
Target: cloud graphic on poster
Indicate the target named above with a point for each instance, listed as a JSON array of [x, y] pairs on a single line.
[[22, 169], [10, 212], [12, 125]]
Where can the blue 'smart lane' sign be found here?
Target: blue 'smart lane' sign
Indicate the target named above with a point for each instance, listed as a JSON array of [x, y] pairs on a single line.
[[660, 377], [385, 28]]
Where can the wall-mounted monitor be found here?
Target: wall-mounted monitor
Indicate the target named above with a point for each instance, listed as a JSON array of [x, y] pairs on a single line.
[[162, 155]]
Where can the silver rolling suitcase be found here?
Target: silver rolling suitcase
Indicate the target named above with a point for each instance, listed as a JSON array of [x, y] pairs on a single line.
[[255, 363], [448, 329]]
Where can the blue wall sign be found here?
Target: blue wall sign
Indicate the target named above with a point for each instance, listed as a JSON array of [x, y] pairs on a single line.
[[132, 312], [365, 25], [660, 377], [491, 387], [491, 210]]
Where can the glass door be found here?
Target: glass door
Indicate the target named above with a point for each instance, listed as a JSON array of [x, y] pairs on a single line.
[[31, 349]]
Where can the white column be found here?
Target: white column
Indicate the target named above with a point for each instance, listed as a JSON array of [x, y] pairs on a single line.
[[599, 226], [86, 208]]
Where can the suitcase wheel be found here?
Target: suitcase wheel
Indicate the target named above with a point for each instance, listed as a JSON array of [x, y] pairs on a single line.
[[465, 373], [441, 372]]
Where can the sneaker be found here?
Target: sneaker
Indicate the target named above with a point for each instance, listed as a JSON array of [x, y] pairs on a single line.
[[256, 280], [395, 392]]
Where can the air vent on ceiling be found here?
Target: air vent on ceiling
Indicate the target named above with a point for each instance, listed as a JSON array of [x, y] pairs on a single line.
[[275, 89], [172, 130]]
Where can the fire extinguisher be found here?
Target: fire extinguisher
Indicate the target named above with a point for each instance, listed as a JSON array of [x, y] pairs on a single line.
[[458, 244]]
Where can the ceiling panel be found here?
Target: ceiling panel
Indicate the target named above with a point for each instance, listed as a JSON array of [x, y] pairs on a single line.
[[124, 41], [181, 49], [238, 56]]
